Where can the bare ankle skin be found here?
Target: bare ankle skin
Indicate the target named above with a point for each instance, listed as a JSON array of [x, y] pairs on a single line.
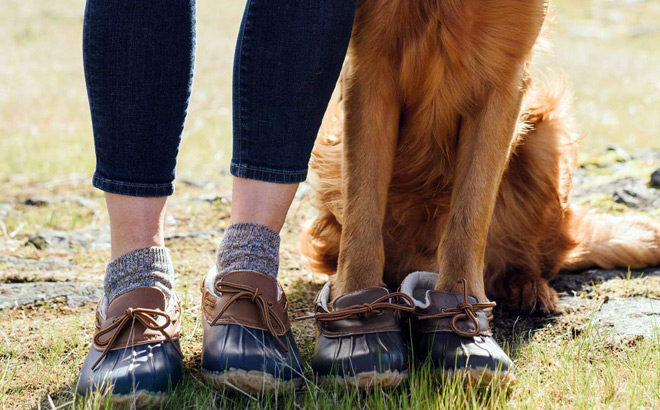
[[135, 222], [263, 203]]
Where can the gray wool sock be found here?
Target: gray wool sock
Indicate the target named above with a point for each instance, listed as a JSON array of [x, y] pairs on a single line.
[[249, 246], [142, 267]]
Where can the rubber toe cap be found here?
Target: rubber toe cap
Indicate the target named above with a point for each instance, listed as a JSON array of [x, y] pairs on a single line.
[[354, 354], [233, 346], [452, 351], [153, 368]]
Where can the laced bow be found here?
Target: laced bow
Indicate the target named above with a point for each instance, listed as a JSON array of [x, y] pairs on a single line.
[[239, 291], [377, 305], [465, 310], [148, 317]]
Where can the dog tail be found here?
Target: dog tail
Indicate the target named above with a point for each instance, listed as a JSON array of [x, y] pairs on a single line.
[[609, 241], [319, 243]]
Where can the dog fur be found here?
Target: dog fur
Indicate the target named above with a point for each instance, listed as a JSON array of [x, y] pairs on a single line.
[[443, 156]]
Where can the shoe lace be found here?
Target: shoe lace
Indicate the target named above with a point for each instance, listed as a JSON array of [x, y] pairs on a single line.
[[377, 305], [465, 310], [148, 317], [268, 315]]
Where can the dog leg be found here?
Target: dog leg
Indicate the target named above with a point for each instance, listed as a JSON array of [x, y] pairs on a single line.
[[371, 131], [484, 146]]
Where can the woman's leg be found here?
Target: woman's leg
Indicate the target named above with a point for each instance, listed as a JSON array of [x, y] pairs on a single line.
[[138, 59], [138, 68], [288, 58]]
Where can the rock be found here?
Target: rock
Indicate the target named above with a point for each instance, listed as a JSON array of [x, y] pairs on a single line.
[[632, 192], [93, 238], [75, 293], [630, 198], [38, 201], [629, 316], [655, 178], [569, 302], [55, 199], [19, 270], [51, 263], [38, 241], [613, 159], [624, 317]]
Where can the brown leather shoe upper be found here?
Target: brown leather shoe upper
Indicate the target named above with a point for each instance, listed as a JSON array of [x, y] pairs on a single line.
[[249, 299], [139, 316], [370, 310], [452, 330], [360, 333], [452, 312]]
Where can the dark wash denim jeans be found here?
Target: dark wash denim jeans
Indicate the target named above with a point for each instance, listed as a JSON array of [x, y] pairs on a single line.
[[139, 57]]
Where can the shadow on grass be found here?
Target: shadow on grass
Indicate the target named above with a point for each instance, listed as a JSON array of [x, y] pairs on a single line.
[[577, 281]]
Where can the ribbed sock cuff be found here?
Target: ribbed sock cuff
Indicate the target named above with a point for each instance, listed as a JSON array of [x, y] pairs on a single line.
[[249, 246], [142, 267]]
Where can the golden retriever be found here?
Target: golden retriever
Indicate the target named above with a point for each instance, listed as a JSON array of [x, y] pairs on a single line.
[[443, 156]]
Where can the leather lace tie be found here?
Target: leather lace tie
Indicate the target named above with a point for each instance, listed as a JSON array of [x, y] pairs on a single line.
[[377, 305], [465, 310], [239, 291], [148, 317]]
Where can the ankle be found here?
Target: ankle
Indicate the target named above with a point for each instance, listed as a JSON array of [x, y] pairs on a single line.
[[146, 267], [249, 247], [135, 223]]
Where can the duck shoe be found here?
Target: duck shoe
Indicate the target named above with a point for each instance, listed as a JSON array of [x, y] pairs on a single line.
[[452, 330], [135, 354], [248, 345], [360, 341]]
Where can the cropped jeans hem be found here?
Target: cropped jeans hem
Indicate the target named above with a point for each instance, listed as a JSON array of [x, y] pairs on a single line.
[[132, 188], [277, 176]]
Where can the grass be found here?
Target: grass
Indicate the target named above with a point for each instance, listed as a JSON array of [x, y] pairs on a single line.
[[46, 149], [561, 361], [557, 366], [44, 117]]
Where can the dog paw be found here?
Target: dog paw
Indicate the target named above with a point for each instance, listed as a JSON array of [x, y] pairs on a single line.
[[538, 296], [532, 296]]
